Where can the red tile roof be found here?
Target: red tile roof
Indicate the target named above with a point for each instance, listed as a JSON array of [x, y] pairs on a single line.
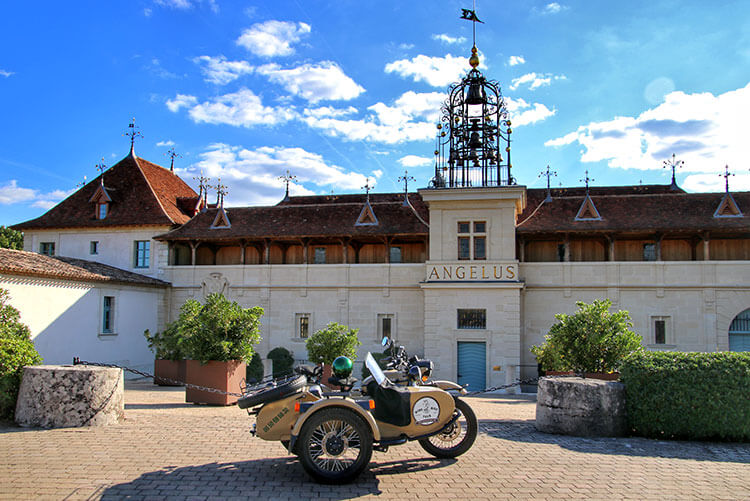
[[14, 262], [625, 209], [143, 194], [313, 216]]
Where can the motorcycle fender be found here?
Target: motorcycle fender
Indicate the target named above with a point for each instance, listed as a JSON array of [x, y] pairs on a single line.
[[336, 402], [449, 385]]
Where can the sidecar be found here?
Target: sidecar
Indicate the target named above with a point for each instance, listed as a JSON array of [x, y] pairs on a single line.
[[334, 433]]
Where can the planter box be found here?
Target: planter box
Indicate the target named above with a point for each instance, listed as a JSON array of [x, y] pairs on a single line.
[[224, 376], [169, 369]]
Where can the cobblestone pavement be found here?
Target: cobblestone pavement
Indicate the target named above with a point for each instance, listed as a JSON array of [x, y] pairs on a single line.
[[168, 449]]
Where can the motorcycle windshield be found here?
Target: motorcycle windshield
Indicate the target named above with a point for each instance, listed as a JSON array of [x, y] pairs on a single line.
[[374, 368]]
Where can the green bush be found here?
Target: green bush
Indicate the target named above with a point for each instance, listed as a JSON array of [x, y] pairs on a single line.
[[378, 358], [688, 395], [166, 345], [218, 330], [283, 361], [333, 341], [590, 340], [254, 370], [10, 238], [16, 350]]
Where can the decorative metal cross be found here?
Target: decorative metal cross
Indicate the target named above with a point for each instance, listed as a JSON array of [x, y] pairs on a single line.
[[221, 190], [132, 133], [406, 178], [726, 178], [586, 179], [548, 174], [202, 184], [367, 188], [673, 164], [287, 178], [101, 167], [172, 154]]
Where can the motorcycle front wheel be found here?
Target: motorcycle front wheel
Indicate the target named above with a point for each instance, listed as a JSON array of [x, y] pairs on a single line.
[[457, 438], [335, 446]]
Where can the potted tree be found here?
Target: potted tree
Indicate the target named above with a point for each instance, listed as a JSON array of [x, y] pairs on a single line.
[[332, 341], [169, 361], [218, 339], [591, 342]]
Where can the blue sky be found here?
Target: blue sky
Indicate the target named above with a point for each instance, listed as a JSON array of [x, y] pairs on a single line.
[[343, 90]]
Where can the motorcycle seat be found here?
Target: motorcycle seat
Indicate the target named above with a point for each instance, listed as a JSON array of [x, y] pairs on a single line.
[[392, 406]]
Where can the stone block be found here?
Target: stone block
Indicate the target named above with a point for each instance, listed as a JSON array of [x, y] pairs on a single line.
[[581, 407], [60, 396]]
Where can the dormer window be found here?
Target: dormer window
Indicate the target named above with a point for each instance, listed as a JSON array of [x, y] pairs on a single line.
[[101, 200], [101, 210]]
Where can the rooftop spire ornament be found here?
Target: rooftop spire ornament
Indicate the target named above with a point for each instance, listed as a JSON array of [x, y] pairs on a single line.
[[172, 155], [132, 133], [586, 179], [673, 164], [406, 178], [548, 174], [202, 190], [726, 176], [287, 178], [221, 190], [367, 188], [82, 183], [100, 167], [474, 130]]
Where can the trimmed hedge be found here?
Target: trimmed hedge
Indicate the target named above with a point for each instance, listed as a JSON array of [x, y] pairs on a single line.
[[283, 361], [688, 395]]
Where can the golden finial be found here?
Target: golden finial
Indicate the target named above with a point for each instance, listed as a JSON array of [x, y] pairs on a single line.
[[474, 59]]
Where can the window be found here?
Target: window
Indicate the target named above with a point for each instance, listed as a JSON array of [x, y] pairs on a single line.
[[472, 244], [94, 247], [101, 211], [561, 252], [660, 330], [320, 255], [386, 325], [108, 315], [303, 325], [472, 319], [142, 251], [649, 252], [395, 256], [47, 248]]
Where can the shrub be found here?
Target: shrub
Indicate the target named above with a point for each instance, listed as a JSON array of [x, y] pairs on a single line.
[[688, 395], [166, 345], [283, 361], [590, 340], [16, 350], [218, 330], [254, 370], [10, 238], [378, 358], [333, 341]]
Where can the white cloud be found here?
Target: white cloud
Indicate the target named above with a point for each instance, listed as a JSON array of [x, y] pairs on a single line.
[[147, 12], [180, 101], [11, 193], [241, 109], [713, 182], [185, 4], [48, 200], [406, 46], [516, 60], [523, 113], [414, 161], [442, 37], [220, 71], [435, 71], [553, 8], [273, 38], [704, 130], [165, 143], [252, 176], [535, 80], [314, 82], [329, 112]]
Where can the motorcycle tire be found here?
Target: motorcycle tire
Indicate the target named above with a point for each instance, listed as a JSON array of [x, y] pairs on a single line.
[[262, 396], [334, 446], [457, 439]]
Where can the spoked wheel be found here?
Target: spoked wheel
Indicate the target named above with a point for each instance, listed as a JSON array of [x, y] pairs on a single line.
[[335, 446], [457, 438]]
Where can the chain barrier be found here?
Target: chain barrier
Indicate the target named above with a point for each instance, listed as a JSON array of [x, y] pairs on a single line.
[[503, 386]]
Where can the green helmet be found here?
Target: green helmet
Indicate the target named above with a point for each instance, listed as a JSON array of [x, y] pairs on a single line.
[[342, 367]]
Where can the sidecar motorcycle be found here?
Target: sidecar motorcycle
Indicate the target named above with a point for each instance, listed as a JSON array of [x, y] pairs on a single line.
[[334, 432]]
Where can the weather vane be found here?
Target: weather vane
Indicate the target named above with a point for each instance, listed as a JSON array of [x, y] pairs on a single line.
[[548, 174], [132, 133], [367, 188], [287, 178], [202, 186], [100, 167], [221, 190], [406, 178], [586, 179], [471, 15], [172, 154], [726, 177], [673, 164]]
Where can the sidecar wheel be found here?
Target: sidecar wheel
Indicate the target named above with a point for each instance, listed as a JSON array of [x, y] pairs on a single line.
[[458, 438], [335, 446]]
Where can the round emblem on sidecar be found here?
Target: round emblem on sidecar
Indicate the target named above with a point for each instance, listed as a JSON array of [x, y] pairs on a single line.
[[426, 411]]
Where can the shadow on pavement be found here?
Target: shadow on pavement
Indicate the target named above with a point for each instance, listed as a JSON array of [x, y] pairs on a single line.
[[259, 479], [525, 431]]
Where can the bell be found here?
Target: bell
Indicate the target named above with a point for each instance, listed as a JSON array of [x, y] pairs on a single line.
[[474, 141], [476, 94]]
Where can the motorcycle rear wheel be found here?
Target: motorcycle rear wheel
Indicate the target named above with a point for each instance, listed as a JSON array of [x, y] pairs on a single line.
[[458, 438], [335, 446]]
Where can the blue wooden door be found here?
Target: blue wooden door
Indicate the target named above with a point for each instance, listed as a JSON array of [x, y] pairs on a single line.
[[471, 365]]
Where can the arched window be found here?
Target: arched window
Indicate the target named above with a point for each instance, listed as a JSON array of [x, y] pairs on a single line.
[[739, 332]]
